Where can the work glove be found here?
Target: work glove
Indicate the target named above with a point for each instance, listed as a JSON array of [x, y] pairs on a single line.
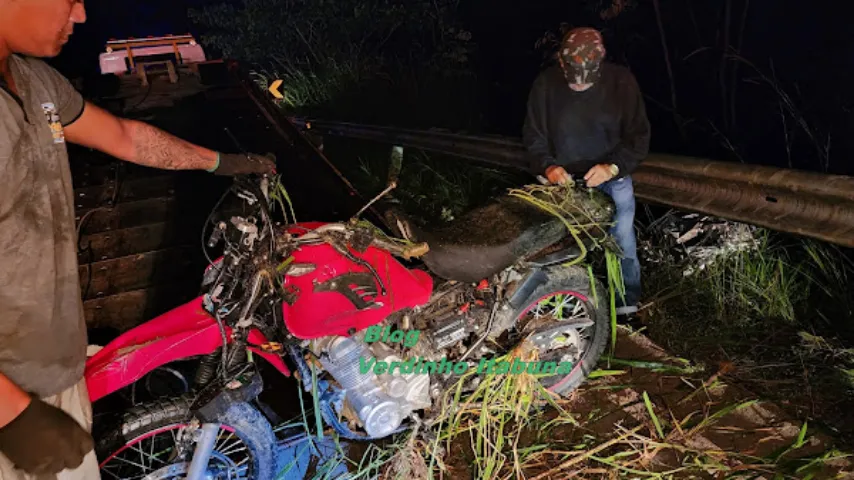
[[231, 164], [44, 440]]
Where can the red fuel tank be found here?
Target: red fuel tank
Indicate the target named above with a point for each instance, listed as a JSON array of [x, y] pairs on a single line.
[[340, 297]]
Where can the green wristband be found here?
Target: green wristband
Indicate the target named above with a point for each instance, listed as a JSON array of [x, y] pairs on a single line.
[[211, 170]]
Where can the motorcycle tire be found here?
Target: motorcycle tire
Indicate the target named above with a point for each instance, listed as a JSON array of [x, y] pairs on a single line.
[[144, 421], [576, 281]]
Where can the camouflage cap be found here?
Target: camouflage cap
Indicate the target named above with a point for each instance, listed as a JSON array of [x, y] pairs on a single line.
[[581, 53]]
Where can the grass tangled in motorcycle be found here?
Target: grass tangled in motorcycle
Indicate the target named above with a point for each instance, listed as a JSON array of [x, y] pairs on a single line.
[[493, 416], [280, 195], [587, 214]]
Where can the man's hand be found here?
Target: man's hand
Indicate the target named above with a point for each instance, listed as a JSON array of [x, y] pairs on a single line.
[[598, 175], [44, 440], [231, 164], [557, 175]]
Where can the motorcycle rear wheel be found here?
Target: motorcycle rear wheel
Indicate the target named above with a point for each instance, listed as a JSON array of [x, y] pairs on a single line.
[[572, 287], [139, 445]]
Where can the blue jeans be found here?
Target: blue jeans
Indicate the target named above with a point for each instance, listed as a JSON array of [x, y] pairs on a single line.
[[623, 231]]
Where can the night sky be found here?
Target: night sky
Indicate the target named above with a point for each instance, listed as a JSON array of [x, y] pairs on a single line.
[[810, 49]]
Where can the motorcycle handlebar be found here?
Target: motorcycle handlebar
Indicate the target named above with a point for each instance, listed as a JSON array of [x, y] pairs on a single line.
[[406, 251], [258, 187]]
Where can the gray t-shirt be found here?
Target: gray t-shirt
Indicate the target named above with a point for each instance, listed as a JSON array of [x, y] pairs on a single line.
[[42, 328]]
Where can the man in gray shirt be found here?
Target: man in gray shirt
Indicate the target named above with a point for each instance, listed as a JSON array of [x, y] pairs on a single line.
[[45, 415]]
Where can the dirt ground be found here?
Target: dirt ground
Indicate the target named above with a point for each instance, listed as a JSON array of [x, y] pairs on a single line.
[[701, 415]]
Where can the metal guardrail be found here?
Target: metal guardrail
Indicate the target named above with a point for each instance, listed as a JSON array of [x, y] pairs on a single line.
[[805, 203]]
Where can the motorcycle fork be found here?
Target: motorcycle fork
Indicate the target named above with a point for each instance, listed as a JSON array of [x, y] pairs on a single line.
[[202, 453]]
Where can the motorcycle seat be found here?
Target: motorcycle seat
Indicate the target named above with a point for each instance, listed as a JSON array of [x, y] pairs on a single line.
[[486, 240]]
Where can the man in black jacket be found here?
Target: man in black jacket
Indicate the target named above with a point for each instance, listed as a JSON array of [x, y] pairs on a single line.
[[586, 117]]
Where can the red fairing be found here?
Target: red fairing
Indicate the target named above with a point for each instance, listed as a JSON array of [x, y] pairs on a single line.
[[181, 333], [320, 313]]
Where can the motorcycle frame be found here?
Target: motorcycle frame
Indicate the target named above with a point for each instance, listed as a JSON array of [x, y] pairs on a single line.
[[190, 331]]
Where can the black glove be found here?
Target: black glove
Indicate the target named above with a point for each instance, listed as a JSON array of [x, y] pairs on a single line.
[[44, 440], [231, 164]]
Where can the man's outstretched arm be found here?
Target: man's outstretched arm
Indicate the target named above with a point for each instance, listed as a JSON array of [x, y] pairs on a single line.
[[137, 142], [144, 144]]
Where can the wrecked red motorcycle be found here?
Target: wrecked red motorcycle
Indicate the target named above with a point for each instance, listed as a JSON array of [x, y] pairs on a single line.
[[337, 303]]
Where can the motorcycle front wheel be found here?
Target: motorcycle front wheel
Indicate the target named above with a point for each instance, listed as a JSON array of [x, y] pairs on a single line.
[[148, 441]]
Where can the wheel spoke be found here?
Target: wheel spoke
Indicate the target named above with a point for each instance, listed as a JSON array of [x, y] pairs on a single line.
[[223, 442], [141, 454], [129, 462], [230, 452], [578, 307], [105, 470]]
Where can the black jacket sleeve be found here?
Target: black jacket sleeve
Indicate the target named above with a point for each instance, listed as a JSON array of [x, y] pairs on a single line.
[[535, 135], [634, 140]]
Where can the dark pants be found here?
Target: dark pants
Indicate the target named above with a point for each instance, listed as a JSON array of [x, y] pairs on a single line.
[[623, 231]]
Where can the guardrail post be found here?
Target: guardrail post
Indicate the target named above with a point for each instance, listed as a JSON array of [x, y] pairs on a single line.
[[395, 164]]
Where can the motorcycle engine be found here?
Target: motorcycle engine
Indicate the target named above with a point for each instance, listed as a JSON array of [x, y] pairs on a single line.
[[382, 402]]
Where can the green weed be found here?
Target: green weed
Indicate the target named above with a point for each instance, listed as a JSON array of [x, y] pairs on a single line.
[[757, 284]]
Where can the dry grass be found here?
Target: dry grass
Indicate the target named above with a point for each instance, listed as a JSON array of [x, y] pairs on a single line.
[[493, 416], [496, 422]]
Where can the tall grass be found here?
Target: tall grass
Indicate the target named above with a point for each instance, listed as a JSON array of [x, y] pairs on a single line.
[[765, 283], [771, 282], [780, 313], [832, 273], [493, 417], [304, 88]]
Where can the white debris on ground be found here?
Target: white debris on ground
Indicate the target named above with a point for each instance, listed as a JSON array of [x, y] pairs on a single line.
[[695, 240]]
